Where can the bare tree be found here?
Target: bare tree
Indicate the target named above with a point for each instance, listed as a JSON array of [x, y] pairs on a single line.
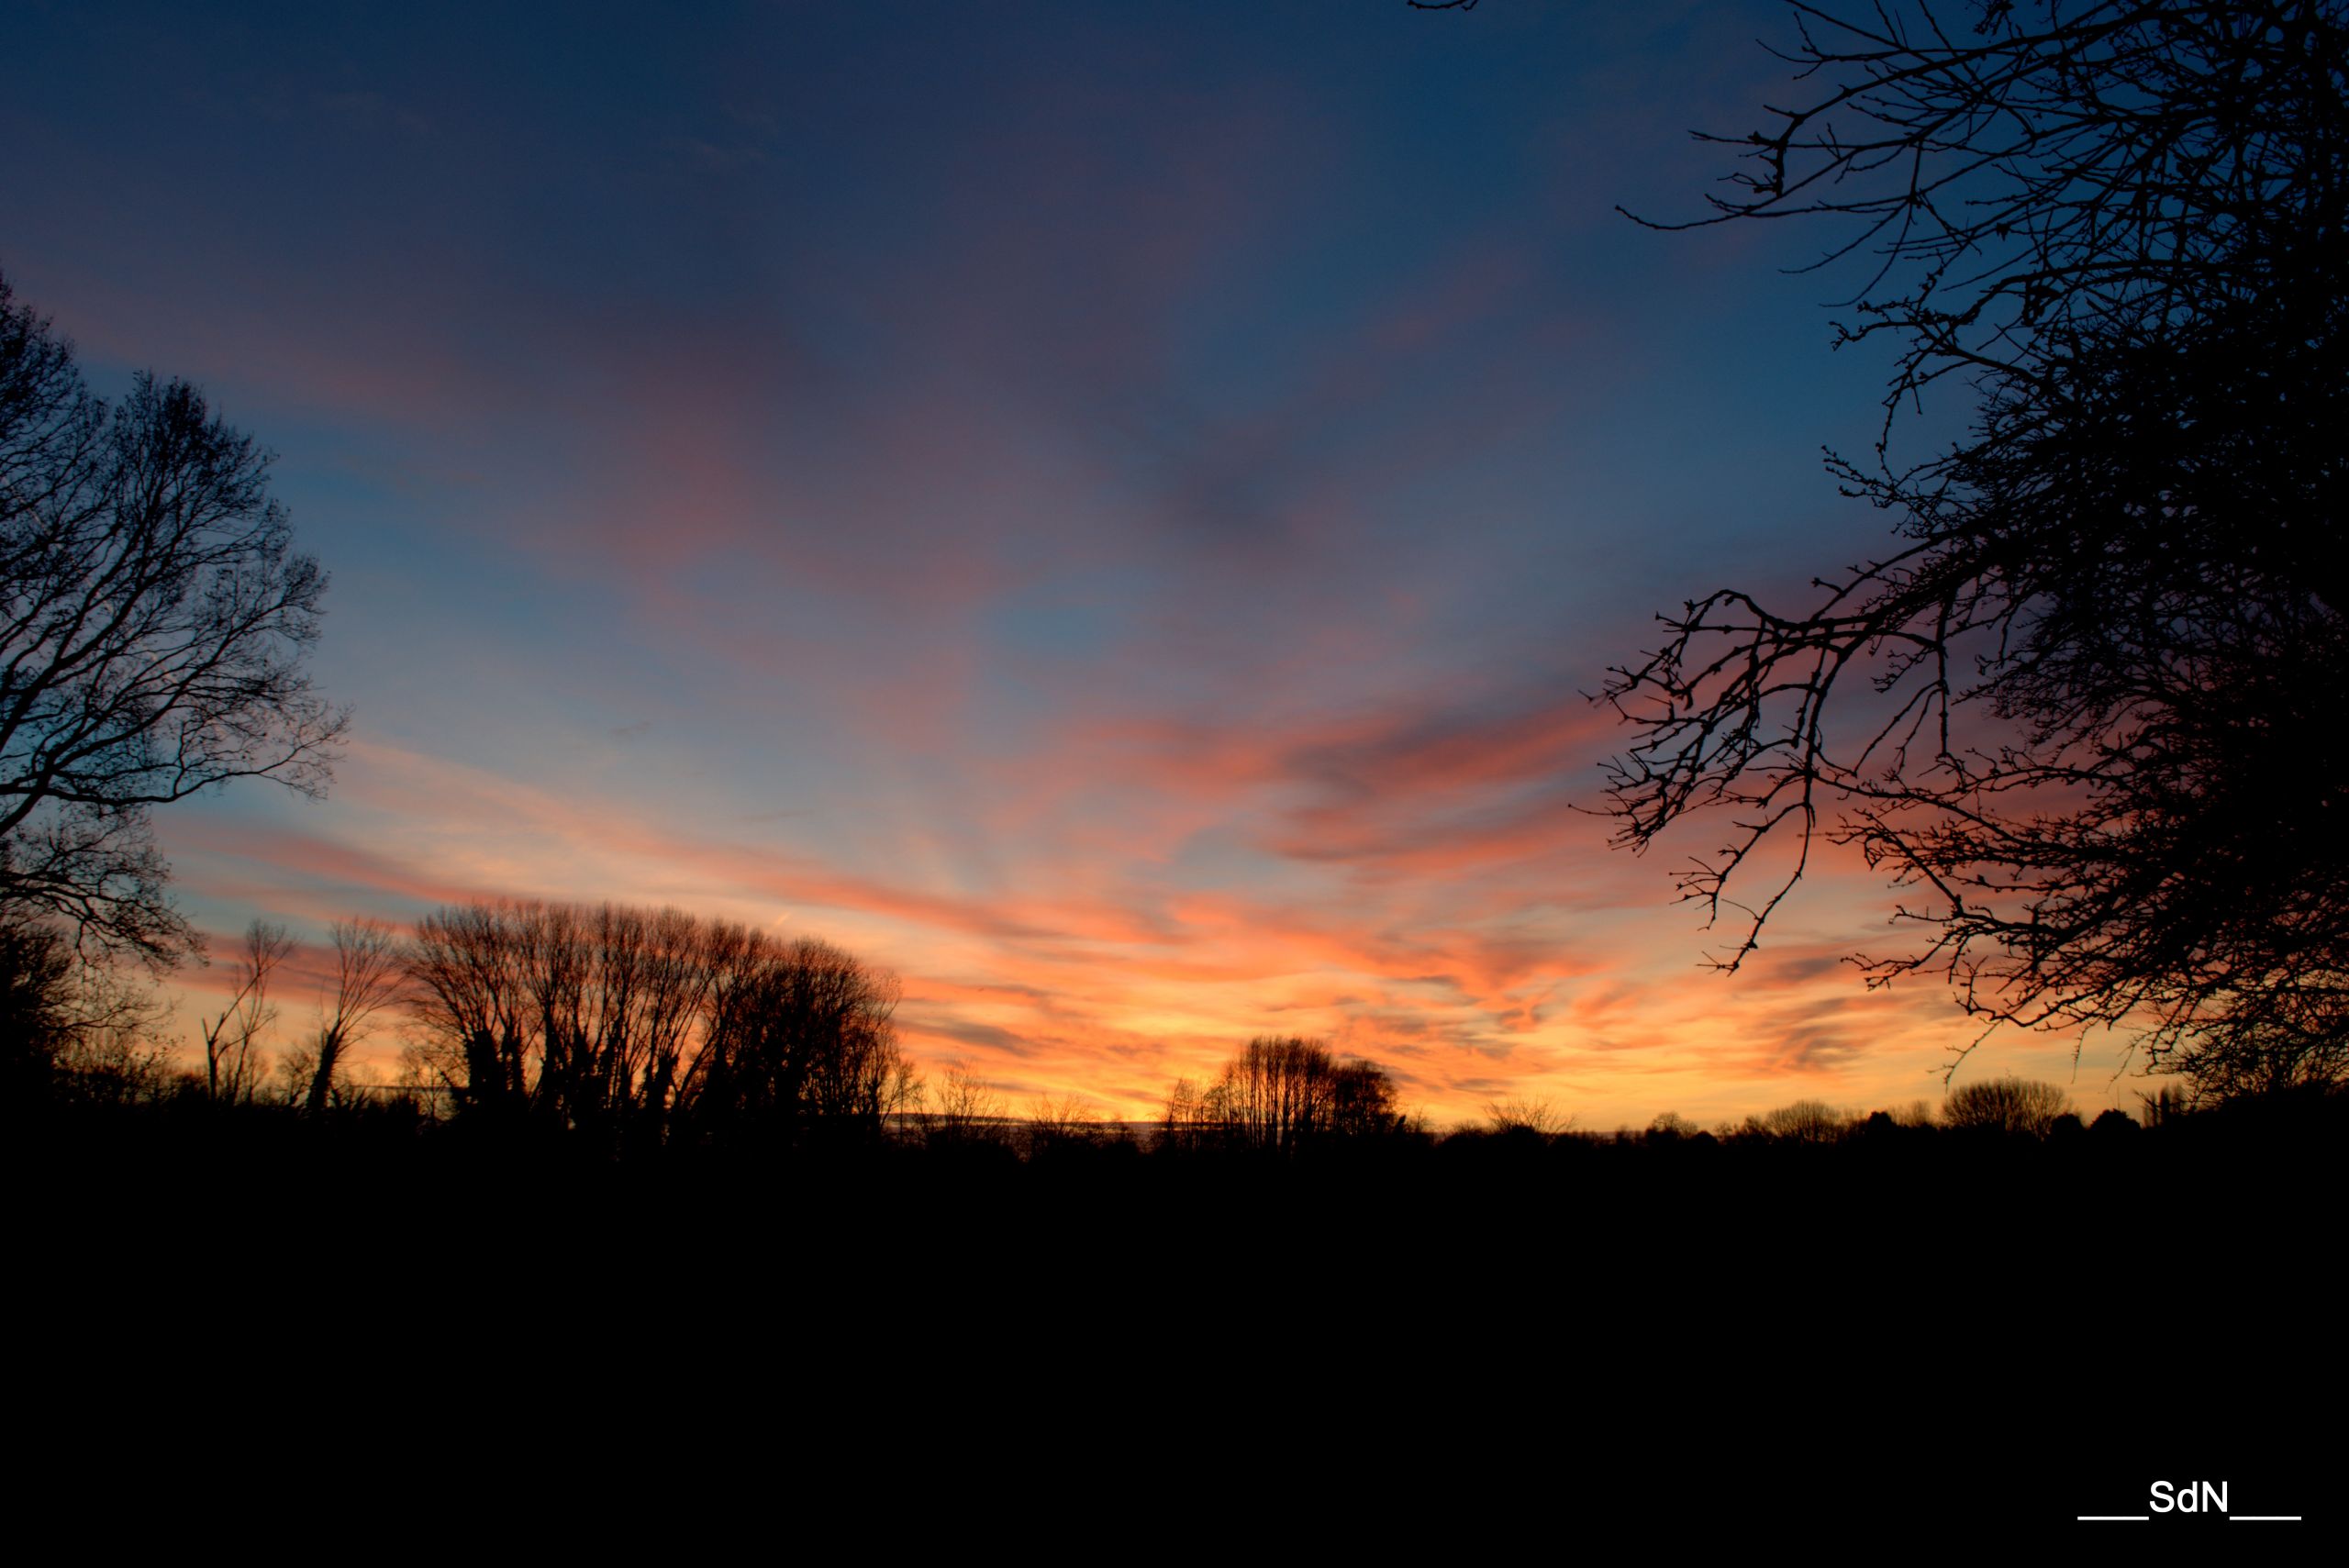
[[369, 974], [87, 1031], [1276, 1091], [634, 1027], [963, 1111], [1193, 1121], [1282, 1095], [1362, 1102], [470, 993], [2009, 1105], [2087, 708], [1537, 1116], [1069, 1125], [231, 1072], [801, 1046], [155, 625], [1670, 1127], [1805, 1121]]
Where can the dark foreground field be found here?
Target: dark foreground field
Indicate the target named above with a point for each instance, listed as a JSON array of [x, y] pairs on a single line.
[[1481, 1346]]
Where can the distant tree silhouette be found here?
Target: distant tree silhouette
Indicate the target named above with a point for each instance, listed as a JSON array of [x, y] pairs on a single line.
[[2009, 1105], [1537, 1116], [800, 1048], [469, 964], [2166, 1106], [637, 1028], [368, 976], [1276, 1093], [1193, 1121], [617, 993], [1805, 1121], [1062, 1126], [1282, 1095], [232, 1070], [962, 1111], [155, 625], [2111, 1123], [1363, 1103], [2088, 708]]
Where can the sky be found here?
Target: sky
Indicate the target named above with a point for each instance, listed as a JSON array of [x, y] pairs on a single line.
[[1110, 511]]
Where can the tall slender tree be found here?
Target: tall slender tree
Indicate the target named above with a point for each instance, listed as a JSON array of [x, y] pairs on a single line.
[[232, 1071], [369, 975]]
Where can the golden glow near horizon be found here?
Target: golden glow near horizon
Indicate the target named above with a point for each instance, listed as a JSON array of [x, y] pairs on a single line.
[[1606, 1012]]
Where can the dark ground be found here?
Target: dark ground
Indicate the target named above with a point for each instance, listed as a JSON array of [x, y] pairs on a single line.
[[1893, 1351]]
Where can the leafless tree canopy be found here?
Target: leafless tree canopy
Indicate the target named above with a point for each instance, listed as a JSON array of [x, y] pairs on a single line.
[[1805, 1121], [1538, 1118], [88, 1031], [155, 625], [369, 977], [2020, 1106], [1280, 1096], [961, 1110], [2087, 708], [645, 1025], [232, 1063]]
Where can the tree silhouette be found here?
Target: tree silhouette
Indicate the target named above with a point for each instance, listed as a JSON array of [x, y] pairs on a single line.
[[1527, 1115], [2009, 1105], [2087, 708], [1362, 1102], [87, 1031], [154, 629], [799, 1047], [1282, 1095], [35, 971], [232, 1071], [368, 977], [1276, 1093], [964, 1112], [1064, 1126], [1805, 1121], [467, 963], [636, 1026]]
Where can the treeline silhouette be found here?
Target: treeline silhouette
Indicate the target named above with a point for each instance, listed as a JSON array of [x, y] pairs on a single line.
[[640, 1151], [632, 1037]]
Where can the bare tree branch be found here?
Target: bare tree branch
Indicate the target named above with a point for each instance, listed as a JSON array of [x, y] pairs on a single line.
[[155, 625], [2088, 710]]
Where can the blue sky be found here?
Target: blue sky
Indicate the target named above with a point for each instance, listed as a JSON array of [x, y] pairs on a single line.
[[1107, 511]]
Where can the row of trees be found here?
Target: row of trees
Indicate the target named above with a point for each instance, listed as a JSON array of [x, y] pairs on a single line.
[[628, 1027], [1283, 1096], [634, 1028], [652, 1027], [2008, 1106], [1291, 1096]]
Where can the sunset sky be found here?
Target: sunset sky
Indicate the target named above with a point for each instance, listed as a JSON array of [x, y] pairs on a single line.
[[1107, 511]]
